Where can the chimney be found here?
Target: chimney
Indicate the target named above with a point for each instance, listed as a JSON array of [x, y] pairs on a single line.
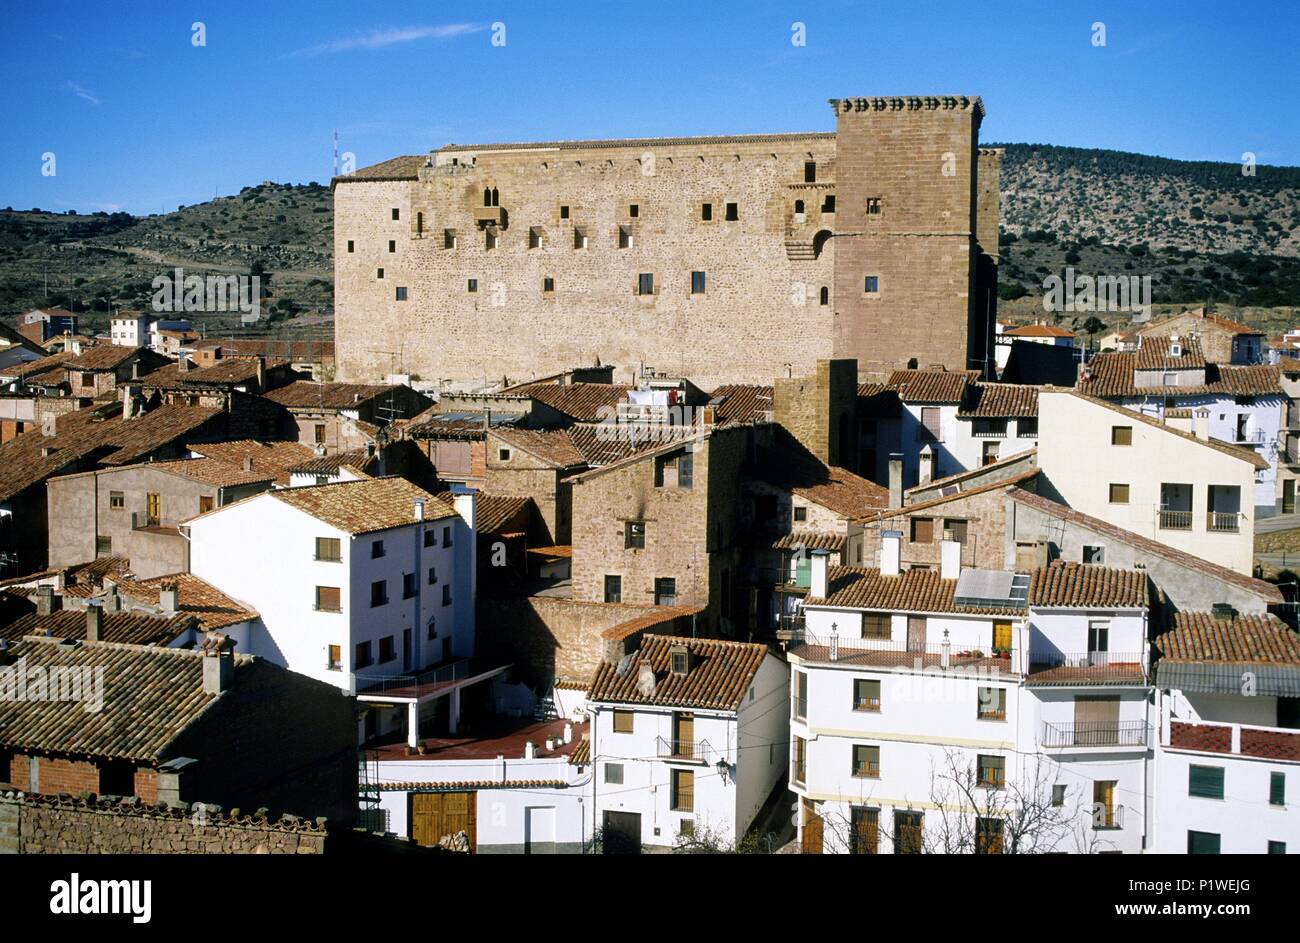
[[817, 570], [45, 600], [949, 557], [530, 750], [926, 474], [891, 546], [261, 372], [218, 662], [645, 679], [568, 733], [94, 622], [466, 507], [183, 363], [169, 598], [1201, 423], [112, 601], [895, 480], [419, 509], [135, 369], [128, 403]]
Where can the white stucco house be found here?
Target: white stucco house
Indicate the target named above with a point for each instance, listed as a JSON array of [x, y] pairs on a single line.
[[688, 741]]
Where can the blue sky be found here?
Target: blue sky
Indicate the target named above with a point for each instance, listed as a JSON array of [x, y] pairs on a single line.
[[140, 119]]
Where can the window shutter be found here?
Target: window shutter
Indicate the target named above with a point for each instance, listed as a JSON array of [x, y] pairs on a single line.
[[1277, 788], [1205, 781]]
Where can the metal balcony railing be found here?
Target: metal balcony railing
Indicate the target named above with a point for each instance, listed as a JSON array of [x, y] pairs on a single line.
[[1228, 522], [1126, 733], [898, 653], [694, 751], [1174, 520], [380, 684]]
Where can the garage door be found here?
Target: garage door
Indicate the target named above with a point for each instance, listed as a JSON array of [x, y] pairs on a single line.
[[539, 830], [438, 814], [622, 833]]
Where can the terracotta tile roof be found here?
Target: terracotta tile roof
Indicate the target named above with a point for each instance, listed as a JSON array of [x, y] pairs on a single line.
[[581, 402], [581, 755], [742, 402], [470, 785], [658, 615], [151, 695], [1246, 455], [54, 362], [405, 167], [999, 401], [106, 357], [1200, 637], [602, 444], [290, 350], [273, 458], [1267, 592], [1002, 483], [89, 574], [212, 472], [360, 459], [229, 371], [720, 674], [878, 401], [363, 507], [550, 445], [1038, 330], [136, 628], [306, 394], [980, 472], [492, 512], [1199, 316], [98, 432], [1155, 353], [839, 490], [909, 591], [1070, 585], [931, 386], [811, 541], [195, 597]]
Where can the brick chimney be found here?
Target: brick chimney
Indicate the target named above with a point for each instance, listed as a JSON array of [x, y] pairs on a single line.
[[94, 622], [218, 662], [46, 601]]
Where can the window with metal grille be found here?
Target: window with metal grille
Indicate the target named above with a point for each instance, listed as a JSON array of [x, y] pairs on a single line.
[[683, 791], [329, 549], [877, 625], [991, 770], [327, 598], [866, 694], [992, 704], [866, 761]]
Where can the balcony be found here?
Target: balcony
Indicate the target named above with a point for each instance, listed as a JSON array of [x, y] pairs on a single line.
[[1087, 668], [1125, 733], [490, 216], [1270, 743], [685, 751], [888, 653], [1223, 522], [1108, 817], [1174, 520]]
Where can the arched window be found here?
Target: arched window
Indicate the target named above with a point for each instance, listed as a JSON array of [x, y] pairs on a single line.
[[496, 197], [825, 295], [487, 197], [798, 207], [419, 224]]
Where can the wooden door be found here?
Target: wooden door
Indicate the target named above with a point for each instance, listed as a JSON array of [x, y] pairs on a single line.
[[1002, 636], [621, 834], [435, 815], [811, 841], [1096, 721], [1288, 496], [153, 508], [684, 734], [916, 634]]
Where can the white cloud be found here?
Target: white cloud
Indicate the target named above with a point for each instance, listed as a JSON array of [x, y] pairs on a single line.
[[383, 38], [82, 92]]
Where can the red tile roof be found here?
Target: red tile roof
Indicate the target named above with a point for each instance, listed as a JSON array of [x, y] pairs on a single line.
[[719, 674], [306, 394], [1200, 637], [909, 591], [1037, 330], [581, 402], [741, 402], [553, 446], [1071, 585], [1156, 353], [931, 386], [195, 597], [999, 401]]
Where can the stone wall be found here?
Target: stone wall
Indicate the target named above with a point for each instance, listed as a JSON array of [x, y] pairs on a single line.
[[93, 825]]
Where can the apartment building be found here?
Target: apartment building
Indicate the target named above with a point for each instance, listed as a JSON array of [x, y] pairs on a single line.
[[1222, 339], [967, 710], [1185, 489], [355, 582], [130, 328], [342, 417], [687, 741]]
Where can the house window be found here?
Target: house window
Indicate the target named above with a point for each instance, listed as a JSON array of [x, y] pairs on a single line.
[[376, 549], [1027, 428], [874, 206], [206, 503], [431, 628], [430, 537], [922, 530], [864, 833], [825, 296], [1118, 494], [401, 294], [364, 658], [991, 771], [489, 239], [866, 761], [1103, 803], [828, 203], [1277, 848], [446, 594], [800, 695], [579, 237], [433, 575], [634, 535], [329, 548], [503, 455], [449, 238], [988, 836], [931, 428], [810, 171], [319, 433], [351, 248], [387, 650], [800, 760], [633, 210], [675, 471], [665, 591], [686, 828], [1093, 553], [866, 694], [1205, 782], [623, 721], [624, 237], [379, 273], [614, 774], [564, 212], [1277, 788], [955, 529], [471, 286], [548, 284], [645, 284], [733, 212], [379, 593], [697, 283], [800, 513], [1121, 435], [1058, 795], [991, 450], [334, 658], [534, 237], [1098, 635], [992, 704], [877, 625], [396, 213], [116, 500], [613, 588], [683, 791], [103, 546], [871, 284], [327, 599], [1202, 843], [706, 212], [392, 245], [409, 586]]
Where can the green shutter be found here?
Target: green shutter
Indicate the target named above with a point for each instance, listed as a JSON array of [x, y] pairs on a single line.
[[1205, 782], [1277, 788], [1202, 843], [803, 572]]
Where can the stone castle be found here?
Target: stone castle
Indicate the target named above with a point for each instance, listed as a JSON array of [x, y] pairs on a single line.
[[725, 259]]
